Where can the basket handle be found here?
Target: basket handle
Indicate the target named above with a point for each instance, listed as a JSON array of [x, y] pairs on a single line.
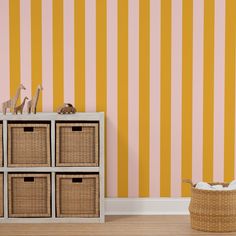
[[188, 181], [28, 179], [77, 128], [28, 129], [77, 180]]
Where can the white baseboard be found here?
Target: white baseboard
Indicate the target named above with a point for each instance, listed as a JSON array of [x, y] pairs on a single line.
[[147, 206]]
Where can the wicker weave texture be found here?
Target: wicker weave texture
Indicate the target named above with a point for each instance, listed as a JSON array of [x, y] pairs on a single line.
[[1, 195], [77, 195], [1, 145], [213, 211], [77, 144], [28, 145], [29, 195]]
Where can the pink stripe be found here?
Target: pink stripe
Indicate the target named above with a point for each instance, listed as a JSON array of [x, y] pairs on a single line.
[[25, 47], [198, 24], [219, 71], [176, 98], [47, 59], [4, 51], [90, 55], [69, 51], [155, 97], [111, 98], [133, 99]]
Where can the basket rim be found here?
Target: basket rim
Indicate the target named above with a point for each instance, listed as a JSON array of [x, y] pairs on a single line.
[[214, 191]]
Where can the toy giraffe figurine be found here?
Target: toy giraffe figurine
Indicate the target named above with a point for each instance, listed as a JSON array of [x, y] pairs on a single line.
[[32, 104], [20, 107], [12, 102]]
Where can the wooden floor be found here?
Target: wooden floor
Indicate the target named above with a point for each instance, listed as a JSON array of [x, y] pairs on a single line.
[[115, 225]]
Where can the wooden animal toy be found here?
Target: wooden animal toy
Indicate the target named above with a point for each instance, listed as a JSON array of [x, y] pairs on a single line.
[[20, 107], [32, 104], [66, 108], [13, 101]]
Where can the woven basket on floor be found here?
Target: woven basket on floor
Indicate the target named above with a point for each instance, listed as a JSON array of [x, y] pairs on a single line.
[[1, 195], [77, 195], [213, 211], [29, 195], [1, 144], [77, 144], [28, 145]]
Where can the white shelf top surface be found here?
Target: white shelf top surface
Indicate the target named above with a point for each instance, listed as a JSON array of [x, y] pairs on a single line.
[[50, 169], [54, 116]]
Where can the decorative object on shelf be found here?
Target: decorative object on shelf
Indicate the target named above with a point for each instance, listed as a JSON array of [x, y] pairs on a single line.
[[66, 108], [32, 104], [13, 101], [20, 107]]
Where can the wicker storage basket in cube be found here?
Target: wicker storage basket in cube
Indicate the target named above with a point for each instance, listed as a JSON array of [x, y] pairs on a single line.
[[213, 211], [1, 195], [77, 195], [77, 144], [28, 145], [29, 195], [1, 145]]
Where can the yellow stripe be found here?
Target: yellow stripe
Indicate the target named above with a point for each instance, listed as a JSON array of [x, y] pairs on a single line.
[[80, 54], [14, 21], [187, 93], [165, 118], [36, 47], [208, 91], [122, 98], [229, 90], [144, 33], [58, 91], [101, 62]]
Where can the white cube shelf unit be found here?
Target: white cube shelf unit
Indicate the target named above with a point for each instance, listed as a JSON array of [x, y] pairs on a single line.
[[52, 119]]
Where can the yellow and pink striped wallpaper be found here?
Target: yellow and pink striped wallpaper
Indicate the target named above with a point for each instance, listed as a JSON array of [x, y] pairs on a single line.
[[162, 70]]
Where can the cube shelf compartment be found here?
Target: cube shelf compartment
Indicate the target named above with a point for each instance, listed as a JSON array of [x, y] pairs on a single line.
[[55, 181], [77, 195], [77, 144], [28, 144], [29, 195]]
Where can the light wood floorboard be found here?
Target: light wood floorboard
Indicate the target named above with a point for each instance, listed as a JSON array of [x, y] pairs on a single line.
[[115, 225]]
